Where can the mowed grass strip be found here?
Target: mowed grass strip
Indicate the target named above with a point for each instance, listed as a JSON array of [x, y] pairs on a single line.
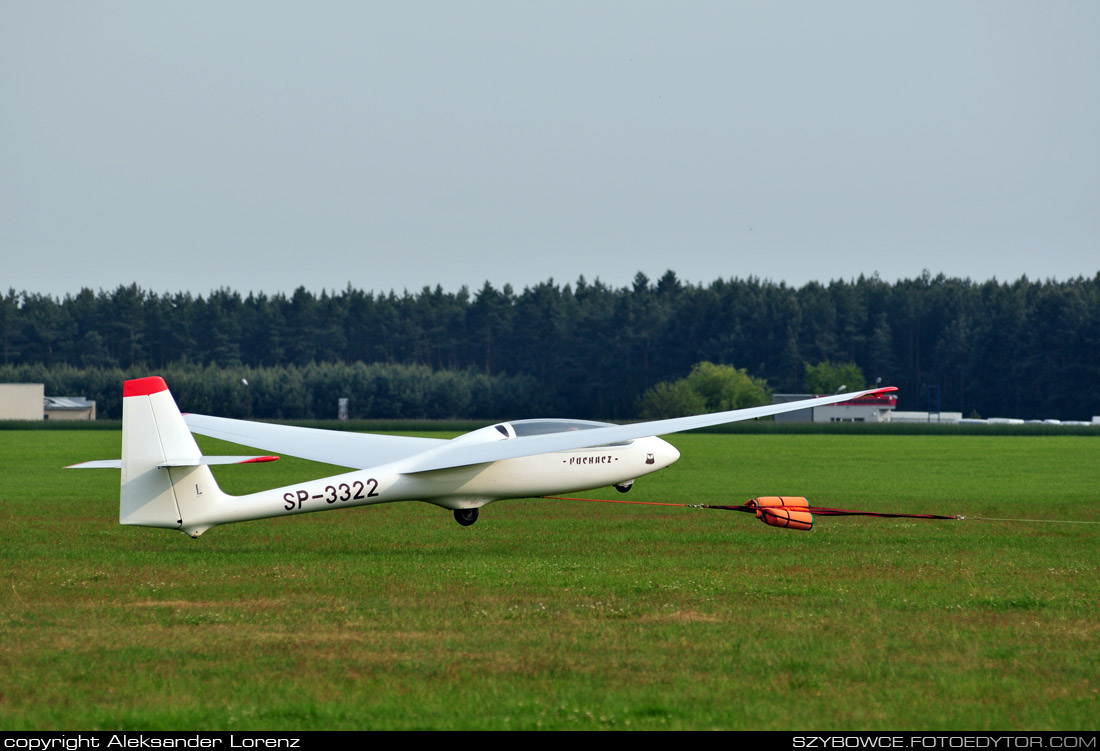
[[572, 615]]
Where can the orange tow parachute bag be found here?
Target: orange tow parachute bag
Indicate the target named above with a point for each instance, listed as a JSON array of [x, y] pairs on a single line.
[[783, 511]]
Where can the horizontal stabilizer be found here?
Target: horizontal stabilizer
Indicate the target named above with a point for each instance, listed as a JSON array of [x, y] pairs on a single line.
[[206, 460], [197, 461], [98, 464]]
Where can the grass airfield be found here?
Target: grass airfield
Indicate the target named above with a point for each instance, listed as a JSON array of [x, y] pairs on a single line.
[[569, 615]]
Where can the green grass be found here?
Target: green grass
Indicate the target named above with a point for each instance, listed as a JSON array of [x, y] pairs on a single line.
[[570, 615]]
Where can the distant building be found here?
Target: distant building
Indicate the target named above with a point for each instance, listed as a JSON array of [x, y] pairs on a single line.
[[948, 417], [21, 401], [28, 401], [883, 408], [876, 408], [68, 408]]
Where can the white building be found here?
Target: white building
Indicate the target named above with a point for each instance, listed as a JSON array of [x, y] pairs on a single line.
[[21, 401]]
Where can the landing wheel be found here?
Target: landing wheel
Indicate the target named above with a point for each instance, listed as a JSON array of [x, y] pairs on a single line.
[[465, 516], [624, 487]]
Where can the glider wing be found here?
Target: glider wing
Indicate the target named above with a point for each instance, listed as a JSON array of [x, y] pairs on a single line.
[[366, 450], [346, 449]]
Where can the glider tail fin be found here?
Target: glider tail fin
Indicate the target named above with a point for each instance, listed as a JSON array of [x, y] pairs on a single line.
[[164, 483]]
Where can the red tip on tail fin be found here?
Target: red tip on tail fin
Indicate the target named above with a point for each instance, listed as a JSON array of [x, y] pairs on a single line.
[[144, 386]]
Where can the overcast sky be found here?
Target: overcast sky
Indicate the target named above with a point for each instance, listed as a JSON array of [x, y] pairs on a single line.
[[392, 145]]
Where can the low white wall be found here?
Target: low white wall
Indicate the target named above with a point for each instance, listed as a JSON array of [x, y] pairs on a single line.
[[21, 401]]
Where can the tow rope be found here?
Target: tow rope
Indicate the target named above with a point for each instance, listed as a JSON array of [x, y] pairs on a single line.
[[791, 512], [787, 512]]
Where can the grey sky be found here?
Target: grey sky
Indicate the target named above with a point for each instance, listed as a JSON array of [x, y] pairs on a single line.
[[264, 145]]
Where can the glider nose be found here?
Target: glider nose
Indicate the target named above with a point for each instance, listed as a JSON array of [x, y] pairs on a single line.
[[666, 452]]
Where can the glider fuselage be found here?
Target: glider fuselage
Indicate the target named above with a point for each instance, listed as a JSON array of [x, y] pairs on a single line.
[[465, 487]]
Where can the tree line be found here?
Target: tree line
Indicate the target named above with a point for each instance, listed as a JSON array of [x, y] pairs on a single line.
[[1022, 348], [376, 390]]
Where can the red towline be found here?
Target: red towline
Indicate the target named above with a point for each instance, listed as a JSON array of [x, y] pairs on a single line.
[[787, 512]]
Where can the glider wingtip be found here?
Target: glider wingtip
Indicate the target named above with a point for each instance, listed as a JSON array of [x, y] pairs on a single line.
[[260, 459]]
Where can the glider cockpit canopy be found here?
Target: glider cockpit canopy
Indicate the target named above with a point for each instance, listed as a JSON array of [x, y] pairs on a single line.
[[549, 426]]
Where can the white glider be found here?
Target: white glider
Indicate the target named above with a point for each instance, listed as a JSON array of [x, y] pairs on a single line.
[[167, 482]]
